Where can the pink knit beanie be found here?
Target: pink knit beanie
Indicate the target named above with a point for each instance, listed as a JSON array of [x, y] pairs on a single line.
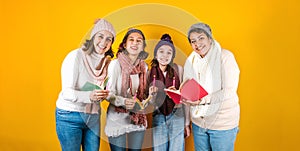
[[102, 24]]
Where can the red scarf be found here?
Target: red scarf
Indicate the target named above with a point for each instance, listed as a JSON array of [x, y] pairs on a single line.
[[164, 103], [128, 68]]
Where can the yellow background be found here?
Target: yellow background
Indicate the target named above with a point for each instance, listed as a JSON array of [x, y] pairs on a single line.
[[264, 36]]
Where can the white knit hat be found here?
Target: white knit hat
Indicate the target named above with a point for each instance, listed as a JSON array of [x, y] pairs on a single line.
[[102, 24]]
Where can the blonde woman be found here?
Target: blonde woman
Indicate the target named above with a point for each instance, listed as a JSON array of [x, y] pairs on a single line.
[[77, 107]]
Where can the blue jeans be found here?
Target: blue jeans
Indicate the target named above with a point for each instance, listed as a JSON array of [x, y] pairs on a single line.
[[219, 140], [75, 129], [135, 141], [168, 131]]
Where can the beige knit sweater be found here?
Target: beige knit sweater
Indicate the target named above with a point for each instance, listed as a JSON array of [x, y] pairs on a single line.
[[227, 114]]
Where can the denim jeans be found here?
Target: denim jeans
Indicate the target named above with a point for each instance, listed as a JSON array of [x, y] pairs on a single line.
[[211, 140], [135, 141], [75, 129], [168, 131]]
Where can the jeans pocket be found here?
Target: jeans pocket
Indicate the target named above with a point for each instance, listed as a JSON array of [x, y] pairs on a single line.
[[158, 120], [60, 111], [61, 117]]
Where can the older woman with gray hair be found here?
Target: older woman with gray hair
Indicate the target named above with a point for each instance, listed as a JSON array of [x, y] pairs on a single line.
[[215, 117]]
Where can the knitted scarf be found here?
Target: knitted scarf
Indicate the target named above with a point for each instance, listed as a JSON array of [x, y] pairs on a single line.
[[165, 104], [208, 70], [128, 68], [99, 74]]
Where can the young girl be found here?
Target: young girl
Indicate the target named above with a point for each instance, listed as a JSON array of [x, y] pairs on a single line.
[[127, 82], [77, 108], [169, 119]]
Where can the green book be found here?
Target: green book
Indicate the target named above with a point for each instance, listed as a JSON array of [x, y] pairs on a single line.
[[88, 86]]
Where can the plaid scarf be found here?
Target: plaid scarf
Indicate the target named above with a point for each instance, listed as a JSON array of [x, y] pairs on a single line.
[[128, 68]]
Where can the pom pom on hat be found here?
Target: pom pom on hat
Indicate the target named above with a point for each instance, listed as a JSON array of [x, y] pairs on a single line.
[[165, 40], [102, 24], [166, 37]]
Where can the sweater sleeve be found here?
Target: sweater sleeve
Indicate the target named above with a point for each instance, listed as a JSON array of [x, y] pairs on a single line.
[[114, 73], [230, 79], [69, 77], [188, 71]]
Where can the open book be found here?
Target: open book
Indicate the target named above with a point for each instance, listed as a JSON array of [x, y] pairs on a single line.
[[90, 86], [139, 105], [189, 90]]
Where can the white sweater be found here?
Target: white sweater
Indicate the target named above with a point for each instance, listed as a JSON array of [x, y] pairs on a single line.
[[228, 113], [118, 123], [73, 77]]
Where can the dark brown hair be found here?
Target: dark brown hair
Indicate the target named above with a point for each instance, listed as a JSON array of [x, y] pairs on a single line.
[[143, 54]]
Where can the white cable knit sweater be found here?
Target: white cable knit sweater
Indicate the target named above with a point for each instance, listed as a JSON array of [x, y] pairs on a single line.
[[73, 76], [224, 96]]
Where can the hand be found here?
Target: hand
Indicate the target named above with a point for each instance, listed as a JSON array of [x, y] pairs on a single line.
[[98, 95], [191, 103], [129, 103], [171, 88], [187, 131], [153, 90]]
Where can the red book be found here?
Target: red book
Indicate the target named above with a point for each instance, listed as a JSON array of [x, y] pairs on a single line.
[[189, 90]]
